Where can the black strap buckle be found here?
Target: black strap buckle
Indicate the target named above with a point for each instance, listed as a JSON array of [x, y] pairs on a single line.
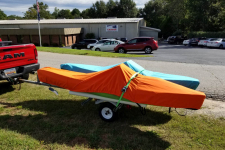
[[124, 89]]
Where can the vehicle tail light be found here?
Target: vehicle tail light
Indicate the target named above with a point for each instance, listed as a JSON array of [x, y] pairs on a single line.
[[155, 42], [36, 53], [217, 42], [205, 41]]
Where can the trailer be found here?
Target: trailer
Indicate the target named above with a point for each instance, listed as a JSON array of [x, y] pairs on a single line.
[[108, 109], [120, 86]]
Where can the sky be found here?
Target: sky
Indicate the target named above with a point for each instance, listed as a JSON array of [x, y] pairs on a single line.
[[18, 7]]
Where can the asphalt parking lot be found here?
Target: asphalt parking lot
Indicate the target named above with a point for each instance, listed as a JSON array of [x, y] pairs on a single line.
[[186, 54]]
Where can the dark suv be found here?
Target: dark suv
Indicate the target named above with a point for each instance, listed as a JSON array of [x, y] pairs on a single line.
[[147, 44], [123, 39], [83, 44], [176, 40]]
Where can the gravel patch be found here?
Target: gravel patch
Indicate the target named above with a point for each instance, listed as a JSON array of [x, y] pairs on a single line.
[[212, 108]]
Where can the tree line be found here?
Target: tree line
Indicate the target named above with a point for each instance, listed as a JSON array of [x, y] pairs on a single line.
[[171, 16]]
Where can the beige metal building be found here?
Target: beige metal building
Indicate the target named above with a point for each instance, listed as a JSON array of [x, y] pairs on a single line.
[[68, 31]]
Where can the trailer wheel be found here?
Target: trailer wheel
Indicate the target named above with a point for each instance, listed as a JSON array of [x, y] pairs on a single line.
[[106, 112]]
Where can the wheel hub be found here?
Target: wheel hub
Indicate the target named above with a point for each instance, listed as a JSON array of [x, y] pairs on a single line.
[[148, 50], [121, 51], [107, 113]]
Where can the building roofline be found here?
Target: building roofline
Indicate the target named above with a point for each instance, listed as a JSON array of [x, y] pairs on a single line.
[[78, 21], [51, 31]]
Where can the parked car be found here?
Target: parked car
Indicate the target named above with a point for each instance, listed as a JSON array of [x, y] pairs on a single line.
[[194, 41], [83, 44], [90, 46], [176, 39], [204, 42], [168, 39], [107, 46], [101, 38], [5, 43], [123, 39], [147, 44], [220, 43], [186, 42]]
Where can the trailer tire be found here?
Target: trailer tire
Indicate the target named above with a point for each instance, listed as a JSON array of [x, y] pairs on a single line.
[[106, 112]]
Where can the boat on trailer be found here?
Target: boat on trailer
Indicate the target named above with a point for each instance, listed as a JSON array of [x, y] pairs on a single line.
[[121, 85], [188, 82]]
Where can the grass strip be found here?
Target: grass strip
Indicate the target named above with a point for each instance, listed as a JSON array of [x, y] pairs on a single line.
[[87, 52]]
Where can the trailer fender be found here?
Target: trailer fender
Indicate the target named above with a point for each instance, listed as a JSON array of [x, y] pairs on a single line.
[[98, 101]]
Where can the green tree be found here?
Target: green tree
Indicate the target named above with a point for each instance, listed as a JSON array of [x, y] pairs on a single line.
[[85, 14], [55, 13], [156, 15], [111, 8], [222, 14], [65, 13], [98, 10], [153, 13], [127, 9], [176, 9], [121, 9], [75, 13], [184, 15], [3, 16], [15, 17], [205, 15], [31, 13], [140, 13]]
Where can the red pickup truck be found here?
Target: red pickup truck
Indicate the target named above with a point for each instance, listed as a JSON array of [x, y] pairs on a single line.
[[17, 60]]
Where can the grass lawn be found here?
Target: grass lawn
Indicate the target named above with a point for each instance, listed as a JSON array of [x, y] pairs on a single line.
[[35, 118], [86, 52]]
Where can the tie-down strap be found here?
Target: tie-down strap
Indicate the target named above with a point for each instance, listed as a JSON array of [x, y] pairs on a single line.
[[124, 89]]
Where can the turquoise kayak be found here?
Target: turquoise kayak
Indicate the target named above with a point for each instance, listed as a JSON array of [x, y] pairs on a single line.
[[188, 82]]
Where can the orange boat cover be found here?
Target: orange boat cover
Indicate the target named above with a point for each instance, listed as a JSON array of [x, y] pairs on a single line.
[[142, 89]]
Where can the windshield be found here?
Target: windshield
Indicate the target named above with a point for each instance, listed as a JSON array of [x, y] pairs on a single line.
[[133, 41], [216, 39], [81, 42], [100, 42]]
